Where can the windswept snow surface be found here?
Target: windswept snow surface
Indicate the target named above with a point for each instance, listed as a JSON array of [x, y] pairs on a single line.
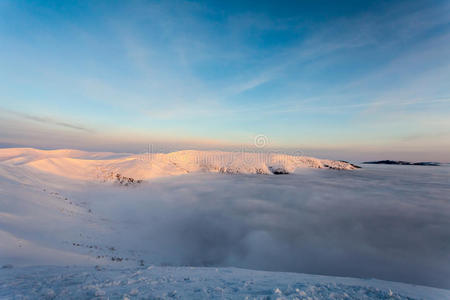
[[155, 282], [61, 208]]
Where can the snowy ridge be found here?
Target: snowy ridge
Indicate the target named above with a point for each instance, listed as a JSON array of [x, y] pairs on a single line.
[[97, 165], [196, 283], [124, 243]]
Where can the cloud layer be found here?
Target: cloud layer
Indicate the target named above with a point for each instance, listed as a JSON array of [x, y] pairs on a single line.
[[381, 222]]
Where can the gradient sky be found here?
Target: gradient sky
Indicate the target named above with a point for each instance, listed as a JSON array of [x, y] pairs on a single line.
[[347, 77]]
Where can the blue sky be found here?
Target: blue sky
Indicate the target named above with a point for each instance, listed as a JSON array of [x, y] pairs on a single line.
[[345, 77]]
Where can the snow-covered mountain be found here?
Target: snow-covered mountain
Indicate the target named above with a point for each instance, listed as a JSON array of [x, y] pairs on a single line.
[[126, 242], [93, 165]]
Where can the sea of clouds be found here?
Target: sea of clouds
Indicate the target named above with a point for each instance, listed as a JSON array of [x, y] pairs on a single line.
[[386, 222]]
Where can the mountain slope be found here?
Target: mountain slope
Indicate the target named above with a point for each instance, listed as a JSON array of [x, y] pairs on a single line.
[[91, 165], [56, 210]]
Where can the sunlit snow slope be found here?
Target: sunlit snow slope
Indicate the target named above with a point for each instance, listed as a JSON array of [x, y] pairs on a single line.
[[56, 210], [88, 165]]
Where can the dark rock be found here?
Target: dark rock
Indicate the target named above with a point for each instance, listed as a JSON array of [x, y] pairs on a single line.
[[278, 171], [401, 162], [8, 266]]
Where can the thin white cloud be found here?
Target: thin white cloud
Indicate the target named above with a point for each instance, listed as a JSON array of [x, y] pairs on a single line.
[[47, 120]]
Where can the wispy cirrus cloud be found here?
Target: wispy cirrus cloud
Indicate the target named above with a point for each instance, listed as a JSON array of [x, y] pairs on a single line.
[[209, 71], [47, 120]]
